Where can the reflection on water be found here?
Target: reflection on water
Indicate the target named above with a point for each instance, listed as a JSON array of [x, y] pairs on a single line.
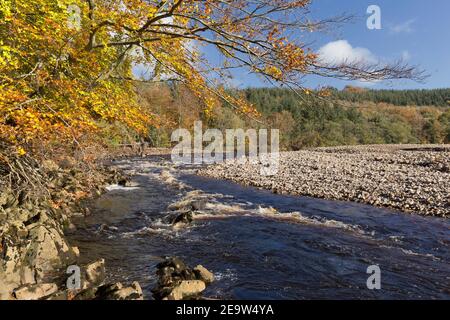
[[305, 249]]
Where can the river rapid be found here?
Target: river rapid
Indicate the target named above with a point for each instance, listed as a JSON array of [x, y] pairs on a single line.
[[262, 245]]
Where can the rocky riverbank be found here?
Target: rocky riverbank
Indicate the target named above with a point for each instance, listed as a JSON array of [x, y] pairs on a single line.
[[410, 178], [34, 253]]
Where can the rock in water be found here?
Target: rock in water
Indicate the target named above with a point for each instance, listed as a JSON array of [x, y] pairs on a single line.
[[177, 281], [118, 292], [204, 274], [115, 291], [181, 219]]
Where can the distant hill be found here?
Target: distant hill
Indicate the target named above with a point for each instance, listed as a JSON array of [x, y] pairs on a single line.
[[355, 116], [349, 117], [432, 97]]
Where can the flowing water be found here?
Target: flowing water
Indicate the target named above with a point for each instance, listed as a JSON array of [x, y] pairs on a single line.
[[262, 245]]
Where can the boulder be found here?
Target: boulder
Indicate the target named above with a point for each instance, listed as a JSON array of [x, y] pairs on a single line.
[[35, 291], [115, 291], [186, 289], [188, 205], [199, 204], [181, 219], [94, 274], [176, 263], [47, 250], [203, 274], [177, 281], [133, 292], [126, 182]]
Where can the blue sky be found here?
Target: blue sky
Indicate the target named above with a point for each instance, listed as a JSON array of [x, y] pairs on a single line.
[[417, 30]]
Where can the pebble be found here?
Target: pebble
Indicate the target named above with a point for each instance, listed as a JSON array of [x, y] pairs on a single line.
[[410, 178]]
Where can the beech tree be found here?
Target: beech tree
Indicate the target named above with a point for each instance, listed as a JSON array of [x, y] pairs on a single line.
[[63, 72]]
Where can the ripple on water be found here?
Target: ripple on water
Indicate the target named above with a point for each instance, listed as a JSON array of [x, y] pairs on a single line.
[[261, 245]]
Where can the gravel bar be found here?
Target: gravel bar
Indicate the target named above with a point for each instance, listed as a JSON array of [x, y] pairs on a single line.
[[410, 178]]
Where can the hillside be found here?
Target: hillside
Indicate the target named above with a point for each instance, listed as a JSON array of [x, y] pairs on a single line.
[[303, 121], [349, 118], [434, 97]]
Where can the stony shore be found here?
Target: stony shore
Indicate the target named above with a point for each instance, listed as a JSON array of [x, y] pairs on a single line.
[[410, 178], [34, 252]]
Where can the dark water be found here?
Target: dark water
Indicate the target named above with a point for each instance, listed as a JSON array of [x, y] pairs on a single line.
[[323, 255]]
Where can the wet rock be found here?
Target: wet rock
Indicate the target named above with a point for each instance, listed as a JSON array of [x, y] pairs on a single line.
[[133, 292], [35, 292], [115, 291], [181, 219], [177, 281], [188, 205], [126, 182], [104, 227], [167, 176], [204, 274], [176, 263], [199, 204]]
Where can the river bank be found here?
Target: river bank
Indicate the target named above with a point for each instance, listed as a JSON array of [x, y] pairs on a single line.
[[34, 220], [410, 178]]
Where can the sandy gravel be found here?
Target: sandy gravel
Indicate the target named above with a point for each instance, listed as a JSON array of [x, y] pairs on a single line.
[[411, 178]]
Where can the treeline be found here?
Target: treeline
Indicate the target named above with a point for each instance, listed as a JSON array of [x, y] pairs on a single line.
[[304, 121], [434, 97]]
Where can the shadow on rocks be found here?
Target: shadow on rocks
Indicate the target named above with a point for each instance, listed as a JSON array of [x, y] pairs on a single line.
[[177, 281]]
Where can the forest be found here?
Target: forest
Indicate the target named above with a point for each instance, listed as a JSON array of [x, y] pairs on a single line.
[[431, 97], [307, 120]]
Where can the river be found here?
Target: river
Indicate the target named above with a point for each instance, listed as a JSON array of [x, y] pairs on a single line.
[[307, 249]]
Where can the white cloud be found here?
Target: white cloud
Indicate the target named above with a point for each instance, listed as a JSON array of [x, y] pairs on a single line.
[[405, 27], [341, 51]]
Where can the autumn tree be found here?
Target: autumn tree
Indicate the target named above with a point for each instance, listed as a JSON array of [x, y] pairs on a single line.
[[66, 65]]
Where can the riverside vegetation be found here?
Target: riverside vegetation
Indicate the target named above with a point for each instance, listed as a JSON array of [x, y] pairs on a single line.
[[349, 117]]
